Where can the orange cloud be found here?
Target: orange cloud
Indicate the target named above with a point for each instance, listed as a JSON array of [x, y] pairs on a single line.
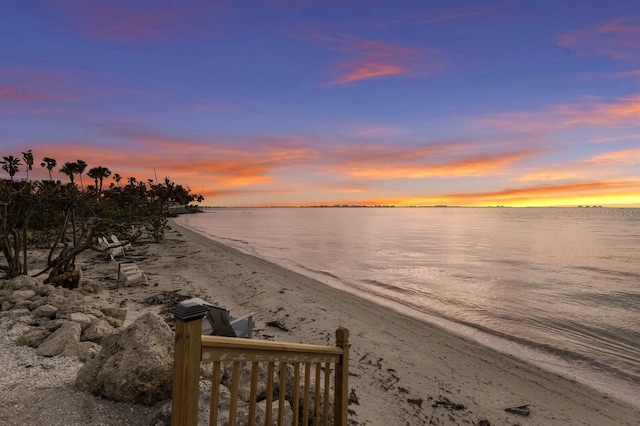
[[614, 192], [618, 38], [622, 112], [627, 156], [479, 165], [373, 58]]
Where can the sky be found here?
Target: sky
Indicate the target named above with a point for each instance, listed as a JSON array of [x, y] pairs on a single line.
[[323, 102]]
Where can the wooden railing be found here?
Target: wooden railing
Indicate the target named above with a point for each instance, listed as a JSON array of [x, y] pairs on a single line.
[[191, 348]]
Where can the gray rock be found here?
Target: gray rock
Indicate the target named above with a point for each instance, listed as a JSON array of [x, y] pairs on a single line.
[[95, 312], [22, 304], [55, 324], [135, 365], [114, 322], [88, 351], [78, 348], [55, 344], [17, 313], [18, 295], [37, 301], [98, 330], [33, 338], [45, 311], [83, 319], [24, 282], [6, 305], [118, 313]]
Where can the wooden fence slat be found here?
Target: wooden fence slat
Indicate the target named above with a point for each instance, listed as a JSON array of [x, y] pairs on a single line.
[[235, 387], [254, 393], [282, 390], [341, 390], [327, 384], [269, 393], [316, 397], [215, 393], [307, 385], [296, 393]]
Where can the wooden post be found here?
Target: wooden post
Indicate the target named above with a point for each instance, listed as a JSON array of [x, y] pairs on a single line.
[[341, 404], [186, 364]]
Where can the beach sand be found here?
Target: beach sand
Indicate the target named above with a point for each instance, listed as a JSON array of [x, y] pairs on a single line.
[[402, 371]]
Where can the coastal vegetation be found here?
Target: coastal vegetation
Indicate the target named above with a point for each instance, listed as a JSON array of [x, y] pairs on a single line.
[[66, 218]]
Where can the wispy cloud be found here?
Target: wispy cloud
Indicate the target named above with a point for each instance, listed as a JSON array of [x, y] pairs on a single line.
[[618, 38], [20, 94], [617, 192], [127, 21], [366, 58], [593, 111], [440, 160], [622, 157]]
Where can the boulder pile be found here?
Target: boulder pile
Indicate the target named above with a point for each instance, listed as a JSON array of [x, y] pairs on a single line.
[[61, 321]]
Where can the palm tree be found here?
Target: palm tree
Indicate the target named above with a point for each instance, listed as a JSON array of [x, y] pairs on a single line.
[[69, 169], [28, 160], [99, 173], [117, 178], [81, 166], [11, 165], [49, 163]]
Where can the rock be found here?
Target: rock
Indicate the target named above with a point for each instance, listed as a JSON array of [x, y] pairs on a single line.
[[24, 282], [275, 409], [33, 338], [45, 311], [88, 351], [37, 301], [17, 313], [55, 324], [55, 344], [22, 304], [83, 319], [95, 312], [6, 305], [135, 365], [19, 295], [97, 330], [114, 322], [118, 313], [80, 347]]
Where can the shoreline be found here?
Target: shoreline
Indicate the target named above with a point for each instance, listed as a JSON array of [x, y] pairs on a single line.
[[598, 377], [402, 370], [400, 359]]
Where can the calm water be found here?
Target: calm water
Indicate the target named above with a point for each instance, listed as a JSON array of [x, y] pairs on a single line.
[[557, 287]]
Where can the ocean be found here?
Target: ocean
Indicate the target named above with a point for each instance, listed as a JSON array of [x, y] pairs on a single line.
[[557, 287]]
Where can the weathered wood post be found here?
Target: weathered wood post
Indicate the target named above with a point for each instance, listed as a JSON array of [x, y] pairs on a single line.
[[342, 379], [186, 364]]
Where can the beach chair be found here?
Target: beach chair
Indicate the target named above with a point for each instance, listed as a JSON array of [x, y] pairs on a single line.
[[219, 322], [111, 249], [124, 244], [129, 273], [226, 325]]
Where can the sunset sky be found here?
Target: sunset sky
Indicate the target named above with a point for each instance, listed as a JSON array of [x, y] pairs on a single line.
[[307, 102]]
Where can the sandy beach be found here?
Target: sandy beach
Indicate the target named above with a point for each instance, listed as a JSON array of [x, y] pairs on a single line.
[[403, 371]]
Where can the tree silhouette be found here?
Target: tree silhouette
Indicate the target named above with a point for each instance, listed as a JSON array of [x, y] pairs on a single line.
[[49, 163], [28, 160], [99, 173], [11, 165], [69, 169], [81, 166]]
